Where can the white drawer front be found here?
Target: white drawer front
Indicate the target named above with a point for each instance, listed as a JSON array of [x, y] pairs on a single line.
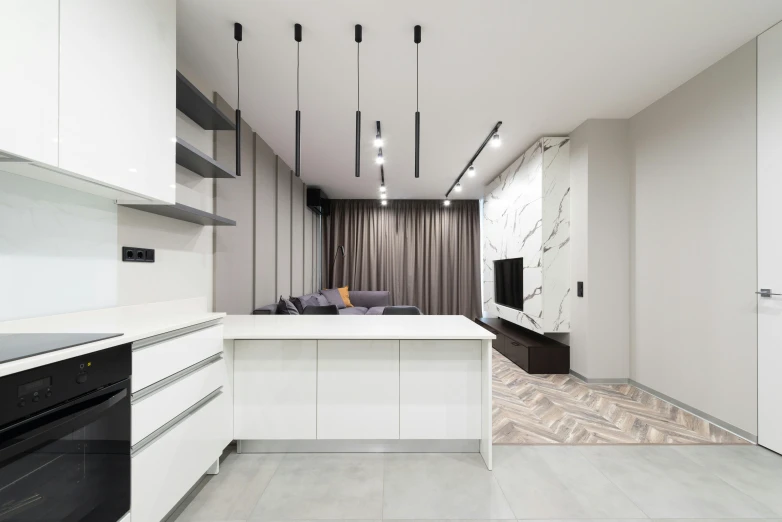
[[152, 411], [155, 362], [165, 470]]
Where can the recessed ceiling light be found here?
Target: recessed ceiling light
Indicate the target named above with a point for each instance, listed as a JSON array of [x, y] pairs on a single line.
[[447, 202], [383, 202]]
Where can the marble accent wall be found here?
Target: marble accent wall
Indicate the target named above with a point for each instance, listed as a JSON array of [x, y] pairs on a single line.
[[526, 213]]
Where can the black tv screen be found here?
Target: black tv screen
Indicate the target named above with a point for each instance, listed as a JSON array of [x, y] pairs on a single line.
[[508, 283]]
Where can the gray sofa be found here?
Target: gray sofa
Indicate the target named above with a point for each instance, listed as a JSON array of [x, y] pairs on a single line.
[[365, 302]]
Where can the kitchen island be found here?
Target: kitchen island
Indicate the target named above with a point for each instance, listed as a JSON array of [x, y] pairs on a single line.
[[360, 383]]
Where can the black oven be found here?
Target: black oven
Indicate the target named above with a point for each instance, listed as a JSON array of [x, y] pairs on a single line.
[[65, 440]]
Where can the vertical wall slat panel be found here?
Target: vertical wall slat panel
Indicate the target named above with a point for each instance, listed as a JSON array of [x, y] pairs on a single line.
[[265, 224], [283, 218]]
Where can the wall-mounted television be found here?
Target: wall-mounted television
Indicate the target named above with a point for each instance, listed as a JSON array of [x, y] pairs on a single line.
[[509, 283]]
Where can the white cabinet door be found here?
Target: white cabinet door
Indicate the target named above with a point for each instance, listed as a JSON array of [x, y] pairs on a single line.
[[118, 93], [769, 246], [358, 389], [28, 90], [275, 390], [440, 389]]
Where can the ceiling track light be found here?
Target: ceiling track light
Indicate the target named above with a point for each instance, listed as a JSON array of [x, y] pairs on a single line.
[[470, 171], [358, 37], [417, 40], [458, 187], [495, 140], [494, 131], [297, 37], [384, 202], [379, 138], [238, 38], [447, 203]]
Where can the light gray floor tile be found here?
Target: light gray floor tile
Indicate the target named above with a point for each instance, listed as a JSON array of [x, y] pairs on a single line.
[[750, 469], [324, 486], [233, 493], [664, 484], [557, 482], [441, 486]]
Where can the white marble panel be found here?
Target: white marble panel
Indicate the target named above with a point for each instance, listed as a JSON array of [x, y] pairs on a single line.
[[526, 213], [556, 234]]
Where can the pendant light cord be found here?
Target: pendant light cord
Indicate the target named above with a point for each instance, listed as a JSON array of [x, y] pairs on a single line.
[[358, 76], [237, 75]]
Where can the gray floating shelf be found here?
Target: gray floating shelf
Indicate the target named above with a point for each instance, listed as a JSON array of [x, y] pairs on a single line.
[[196, 161], [185, 213], [198, 108]]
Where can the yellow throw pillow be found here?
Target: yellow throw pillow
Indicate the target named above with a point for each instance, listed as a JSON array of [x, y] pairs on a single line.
[[343, 293]]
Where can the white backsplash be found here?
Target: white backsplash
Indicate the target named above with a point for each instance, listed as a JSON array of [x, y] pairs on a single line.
[[526, 213]]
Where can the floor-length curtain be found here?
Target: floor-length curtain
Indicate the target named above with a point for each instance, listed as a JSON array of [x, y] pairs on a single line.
[[424, 253]]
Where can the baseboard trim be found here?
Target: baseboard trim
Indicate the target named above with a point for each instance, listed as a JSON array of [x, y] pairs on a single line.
[[359, 446], [598, 381], [698, 413]]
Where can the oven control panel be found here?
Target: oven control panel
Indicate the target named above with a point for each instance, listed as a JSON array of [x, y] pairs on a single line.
[[47, 386]]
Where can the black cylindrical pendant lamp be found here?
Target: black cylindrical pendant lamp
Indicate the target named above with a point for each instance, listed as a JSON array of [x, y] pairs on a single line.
[[297, 37], [358, 99], [238, 38], [417, 40]]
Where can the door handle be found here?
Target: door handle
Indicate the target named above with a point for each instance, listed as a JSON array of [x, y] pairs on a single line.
[[766, 292]]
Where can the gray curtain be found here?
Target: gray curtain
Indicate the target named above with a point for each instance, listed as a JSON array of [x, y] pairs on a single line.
[[427, 255]]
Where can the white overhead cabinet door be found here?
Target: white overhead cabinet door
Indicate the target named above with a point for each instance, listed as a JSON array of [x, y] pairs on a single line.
[[117, 115], [28, 89], [769, 241]]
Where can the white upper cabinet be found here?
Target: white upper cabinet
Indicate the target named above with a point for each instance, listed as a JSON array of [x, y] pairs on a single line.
[[117, 92], [28, 79]]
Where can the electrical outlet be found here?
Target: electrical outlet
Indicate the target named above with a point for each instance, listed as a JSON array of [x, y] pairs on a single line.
[[138, 255], [580, 289]]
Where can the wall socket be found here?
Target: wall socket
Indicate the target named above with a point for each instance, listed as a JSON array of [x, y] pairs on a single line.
[[580, 289], [138, 255]]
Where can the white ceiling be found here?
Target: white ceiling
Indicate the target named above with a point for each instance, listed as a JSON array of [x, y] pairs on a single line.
[[541, 67]]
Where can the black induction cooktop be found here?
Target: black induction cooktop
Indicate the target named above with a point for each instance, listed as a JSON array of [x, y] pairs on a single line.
[[20, 345]]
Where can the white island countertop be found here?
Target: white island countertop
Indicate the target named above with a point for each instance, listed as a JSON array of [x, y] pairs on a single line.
[[353, 327], [133, 322]]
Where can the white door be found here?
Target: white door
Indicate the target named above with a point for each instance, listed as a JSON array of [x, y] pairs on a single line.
[[769, 240]]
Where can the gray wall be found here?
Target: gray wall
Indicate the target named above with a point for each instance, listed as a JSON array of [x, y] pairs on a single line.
[[601, 170], [694, 328], [234, 247], [269, 252]]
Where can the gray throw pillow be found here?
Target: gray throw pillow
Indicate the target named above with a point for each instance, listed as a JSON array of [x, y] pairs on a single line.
[[333, 297], [312, 300], [285, 307]]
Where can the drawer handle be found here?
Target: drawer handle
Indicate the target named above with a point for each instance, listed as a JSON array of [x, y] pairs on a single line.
[[514, 343], [172, 379], [173, 423], [149, 341]]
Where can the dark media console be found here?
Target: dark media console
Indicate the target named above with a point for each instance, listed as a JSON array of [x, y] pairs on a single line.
[[530, 351]]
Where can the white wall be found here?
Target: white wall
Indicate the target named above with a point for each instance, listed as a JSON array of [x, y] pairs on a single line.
[[601, 169], [183, 266], [695, 326], [57, 249]]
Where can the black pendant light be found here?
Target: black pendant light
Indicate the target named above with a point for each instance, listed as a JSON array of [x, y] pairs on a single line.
[[238, 38], [297, 37], [358, 99], [417, 40]]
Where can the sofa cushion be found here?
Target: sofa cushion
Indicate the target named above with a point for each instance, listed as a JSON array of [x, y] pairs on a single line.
[[333, 297], [376, 310], [285, 307], [353, 310], [370, 298]]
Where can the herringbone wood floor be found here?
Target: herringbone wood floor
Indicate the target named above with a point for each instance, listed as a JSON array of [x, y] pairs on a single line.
[[550, 409]]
